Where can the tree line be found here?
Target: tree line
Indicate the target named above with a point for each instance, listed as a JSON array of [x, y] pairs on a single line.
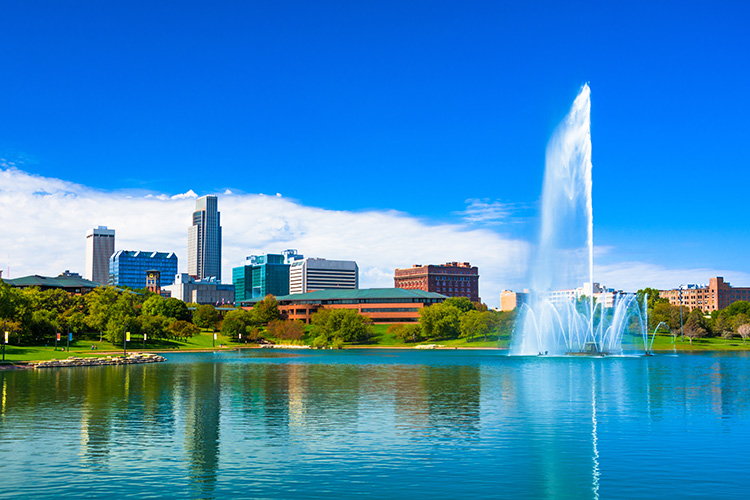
[[34, 316], [663, 317]]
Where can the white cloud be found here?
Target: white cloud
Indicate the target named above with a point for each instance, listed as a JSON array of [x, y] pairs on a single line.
[[486, 212], [44, 222]]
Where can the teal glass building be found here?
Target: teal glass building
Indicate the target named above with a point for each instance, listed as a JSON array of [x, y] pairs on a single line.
[[262, 275], [128, 268]]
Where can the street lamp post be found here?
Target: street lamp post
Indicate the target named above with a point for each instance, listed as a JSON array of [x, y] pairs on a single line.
[[682, 332], [125, 344], [5, 342]]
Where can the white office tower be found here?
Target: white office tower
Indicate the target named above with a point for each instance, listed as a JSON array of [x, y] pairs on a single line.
[[204, 240], [100, 245], [307, 275]]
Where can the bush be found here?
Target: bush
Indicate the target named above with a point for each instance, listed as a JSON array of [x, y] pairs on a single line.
[[320, 341]]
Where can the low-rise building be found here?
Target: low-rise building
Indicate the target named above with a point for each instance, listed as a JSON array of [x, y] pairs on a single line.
[[510, 300], [206, 291], [601, 293], [71, 284], [453, 279], [382, 305], [717, 295]]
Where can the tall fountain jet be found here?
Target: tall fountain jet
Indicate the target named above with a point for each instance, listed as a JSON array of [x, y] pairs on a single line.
[[565, 255]]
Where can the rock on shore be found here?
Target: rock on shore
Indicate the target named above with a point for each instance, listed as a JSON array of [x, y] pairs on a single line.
[[131, 359]]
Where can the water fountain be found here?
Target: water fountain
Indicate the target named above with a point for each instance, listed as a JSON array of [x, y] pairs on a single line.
[[565, 258]]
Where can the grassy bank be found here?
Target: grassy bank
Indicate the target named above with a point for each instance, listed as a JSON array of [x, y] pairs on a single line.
[[204, 341]]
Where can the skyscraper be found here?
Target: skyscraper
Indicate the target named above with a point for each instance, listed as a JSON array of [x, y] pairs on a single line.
[[100, 245], [204, 240]]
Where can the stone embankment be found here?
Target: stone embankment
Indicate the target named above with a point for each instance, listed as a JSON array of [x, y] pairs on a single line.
[[131, 359]]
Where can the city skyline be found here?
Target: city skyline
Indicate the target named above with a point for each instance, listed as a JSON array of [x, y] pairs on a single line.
[[428, 120]]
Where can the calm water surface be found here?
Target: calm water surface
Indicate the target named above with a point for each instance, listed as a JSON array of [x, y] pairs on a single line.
[[380, 424]]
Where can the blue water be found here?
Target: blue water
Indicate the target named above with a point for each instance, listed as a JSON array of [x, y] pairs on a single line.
[[380, 424]]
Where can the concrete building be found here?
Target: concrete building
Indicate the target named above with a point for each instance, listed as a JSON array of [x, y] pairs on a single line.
[[601, 293], [382, 305], [100, 245], [454, 279], [204, 240], [717, 295], [510, 300], [307, 275], [263, 274], [128, 268], [207, 291]]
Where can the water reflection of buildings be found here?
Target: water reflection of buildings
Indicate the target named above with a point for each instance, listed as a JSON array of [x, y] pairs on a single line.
[[202, 407]]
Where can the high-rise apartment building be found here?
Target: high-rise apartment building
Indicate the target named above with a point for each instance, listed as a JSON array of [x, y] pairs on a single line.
[[307, 275], [127, 268], [454, 279], [100, 245], [204, 240], [263, 274]]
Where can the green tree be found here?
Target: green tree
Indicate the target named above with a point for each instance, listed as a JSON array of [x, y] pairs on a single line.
[[346, 324], [182, 329], [695, 325], [287, 330], [440, 321], [653, 297], [463, 304], [100, 302], [205, 316], [176, 309], [155, 327], [475, 323], [407, 333], [237, 322], [267, 310], [721, 324]]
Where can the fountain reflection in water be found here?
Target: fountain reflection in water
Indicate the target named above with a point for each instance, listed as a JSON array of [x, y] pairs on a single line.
[[565, 258]]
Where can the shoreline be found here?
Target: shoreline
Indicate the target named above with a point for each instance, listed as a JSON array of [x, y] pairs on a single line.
[[117, 355]]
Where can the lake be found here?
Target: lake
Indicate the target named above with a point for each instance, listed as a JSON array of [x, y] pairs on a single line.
[[441, 424]]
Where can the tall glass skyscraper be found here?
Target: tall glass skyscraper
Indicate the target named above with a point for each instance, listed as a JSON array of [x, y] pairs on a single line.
[[204, 240]]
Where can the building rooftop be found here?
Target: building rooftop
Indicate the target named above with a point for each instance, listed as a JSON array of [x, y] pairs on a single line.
[[359, 294], [48, 282]]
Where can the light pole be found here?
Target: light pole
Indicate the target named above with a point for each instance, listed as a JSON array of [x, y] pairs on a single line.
[[125, 344], [5, 342], [682, 332]]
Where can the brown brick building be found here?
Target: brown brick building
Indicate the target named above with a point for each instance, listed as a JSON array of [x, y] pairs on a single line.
[[454, 279], [381, 305], [717, 295]]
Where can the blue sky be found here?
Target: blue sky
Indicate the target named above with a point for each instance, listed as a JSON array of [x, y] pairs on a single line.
[[418, 107]]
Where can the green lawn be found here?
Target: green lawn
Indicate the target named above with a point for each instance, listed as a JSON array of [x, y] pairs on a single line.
[[82, 348], [665, 343]]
